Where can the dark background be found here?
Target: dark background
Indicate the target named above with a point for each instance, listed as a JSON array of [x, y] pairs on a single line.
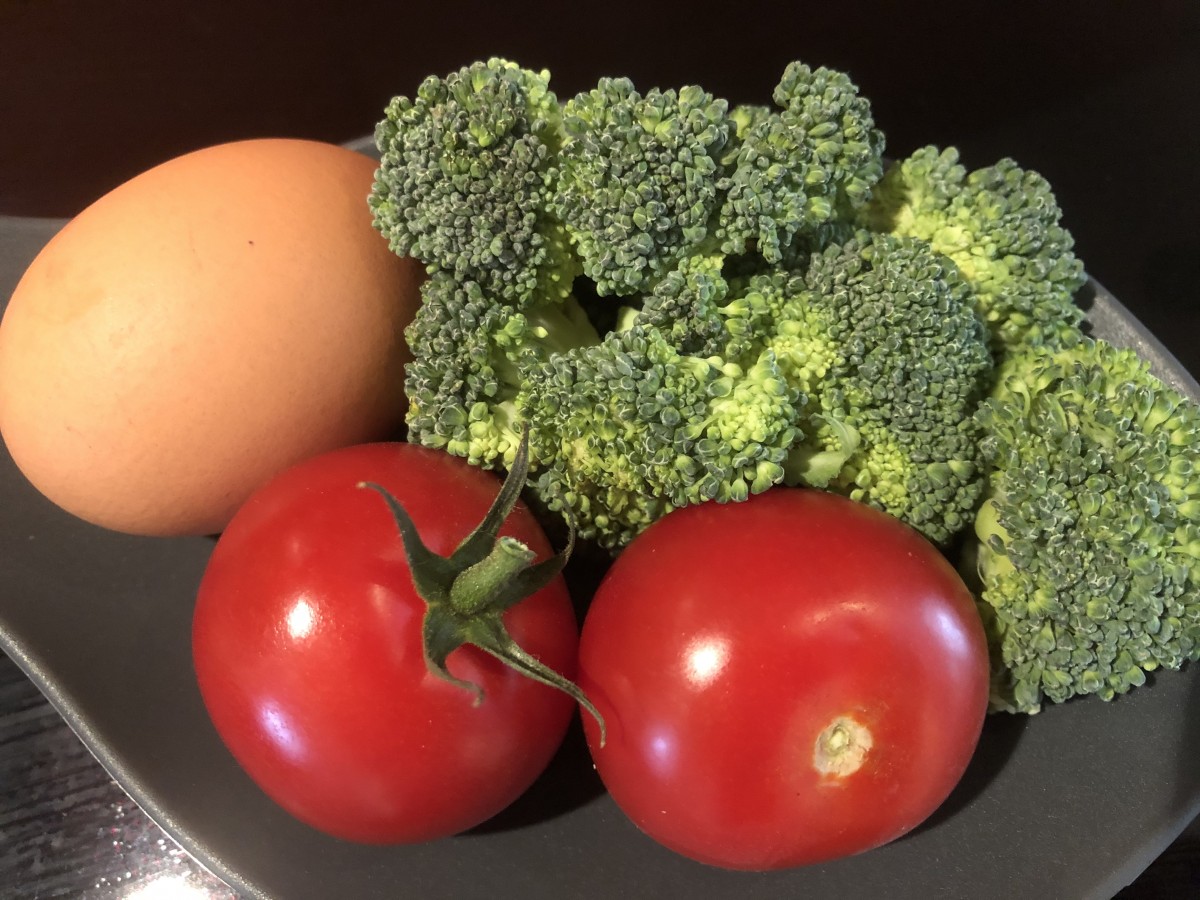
[[1101, 98]]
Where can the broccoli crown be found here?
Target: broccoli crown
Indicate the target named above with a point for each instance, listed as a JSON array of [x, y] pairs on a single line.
[[814, 157], [631, 428], [638, 182], [1090, 532], [464, 180], [882, 336], [785, 310], [471, 355], [1001, 227]]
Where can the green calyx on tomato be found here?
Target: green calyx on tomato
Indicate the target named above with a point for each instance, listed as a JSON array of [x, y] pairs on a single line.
[[467, 592]]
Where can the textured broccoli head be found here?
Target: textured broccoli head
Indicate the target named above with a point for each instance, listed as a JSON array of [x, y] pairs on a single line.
[[758, 305], [881, 335], [1090, 533], [464, 180], [715, 306], [686, 306], [812, 159], [638, 182], [1001, 226], [785, 314], [914, 193], [470, 357], [630, 429]]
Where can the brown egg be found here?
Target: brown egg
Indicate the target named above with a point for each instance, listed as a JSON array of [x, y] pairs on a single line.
[[200, 328]]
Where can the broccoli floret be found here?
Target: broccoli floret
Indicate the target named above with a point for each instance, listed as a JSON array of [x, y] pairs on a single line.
[[687, 306], [1001, 226], [813, 158], [471, 356], [465, 176], [1089, 537], [638, 182], [881, 335], [754, 305], [880, 348], [630, 429]]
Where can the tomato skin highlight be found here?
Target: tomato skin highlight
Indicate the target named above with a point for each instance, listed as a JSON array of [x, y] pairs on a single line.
[[308, 651], [728, 638]]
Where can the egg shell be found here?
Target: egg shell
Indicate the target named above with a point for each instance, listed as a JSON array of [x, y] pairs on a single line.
[[202, 327]]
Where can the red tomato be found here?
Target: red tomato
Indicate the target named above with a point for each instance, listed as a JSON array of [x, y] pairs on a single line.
[[787, 680], [308, 648]]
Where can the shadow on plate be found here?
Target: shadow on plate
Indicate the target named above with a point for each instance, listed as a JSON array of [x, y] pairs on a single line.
[[569, 782], [1001, 734], [1188, 775], [1085, 297]]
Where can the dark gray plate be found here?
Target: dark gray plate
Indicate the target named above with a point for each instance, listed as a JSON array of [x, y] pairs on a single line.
[[1074, 802]]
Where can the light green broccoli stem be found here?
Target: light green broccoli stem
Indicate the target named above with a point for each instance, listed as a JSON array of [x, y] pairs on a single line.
[[818, 465]]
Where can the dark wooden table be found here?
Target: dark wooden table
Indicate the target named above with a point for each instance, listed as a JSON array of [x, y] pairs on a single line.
[[1101, 98]]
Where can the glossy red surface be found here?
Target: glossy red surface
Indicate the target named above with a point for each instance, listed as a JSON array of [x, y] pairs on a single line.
[[307, 641], [723, 691]]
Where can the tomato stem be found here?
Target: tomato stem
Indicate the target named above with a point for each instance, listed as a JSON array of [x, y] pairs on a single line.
[[476, 586], [467, 592]]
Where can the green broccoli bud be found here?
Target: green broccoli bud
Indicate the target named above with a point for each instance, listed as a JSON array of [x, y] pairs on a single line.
[[813, 159], [471, 356], [1001, 227], [881, 335], [745, 117], [630, 429], [1087, 539], [466, 171], [638, 182], [686, 306]]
